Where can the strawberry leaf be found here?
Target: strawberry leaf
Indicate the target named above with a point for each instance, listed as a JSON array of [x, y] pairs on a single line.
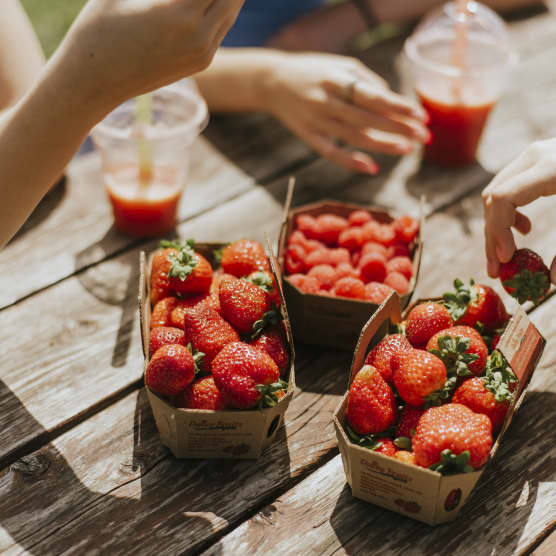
[[184, 261], [198, 357], [369, 441], [270, 318], [528, 286], [268, 396], [452, 350], [457, 302], [261, 279], [438, 397], [452, 464], [498, 377]]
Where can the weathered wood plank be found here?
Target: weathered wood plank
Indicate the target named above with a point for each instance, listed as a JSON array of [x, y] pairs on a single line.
[[112, 469], [547, 547], [513, 504]]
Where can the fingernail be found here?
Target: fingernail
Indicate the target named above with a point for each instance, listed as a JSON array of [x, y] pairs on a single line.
[[367, 167], [427, 119], [420, 114]]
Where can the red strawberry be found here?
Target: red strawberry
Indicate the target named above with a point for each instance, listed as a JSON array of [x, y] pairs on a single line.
[[217, 277], [242, 257], [176, 316], [425, 320], [325, 274], [405, 457], [453, 353], [345, 269], [349, 287], [397, 282], [201, 394], [208, 332], [272, 342], [351, 239], [338, 255], [474, 394], [170, 370], [160, 266], [406, 228], [376, 292], [372, 267], [382, 355], [330, 226], [455, 428], [307, 284], [403, 265], [243, 304], [359, 217], [238, 369], [265, 281], [371, 403], [163, 335], [407, 423], [525, 277], [474, 304], [397, 250], [494, 342], [295, 259], [418, 375], [308, 225], [386, 447], [162, 310]]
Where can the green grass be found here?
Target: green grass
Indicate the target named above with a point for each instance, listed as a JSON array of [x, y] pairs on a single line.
[[52, 19]]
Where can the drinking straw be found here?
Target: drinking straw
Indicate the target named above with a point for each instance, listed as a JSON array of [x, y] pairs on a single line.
[[144, 116], [460, 46]]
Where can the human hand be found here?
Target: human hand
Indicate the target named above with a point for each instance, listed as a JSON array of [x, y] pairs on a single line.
[[117, 49], [323, 98], [530, 176]]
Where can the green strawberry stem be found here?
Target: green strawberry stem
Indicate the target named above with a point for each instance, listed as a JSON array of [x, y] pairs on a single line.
[[528, 286], [198, 357], [370, 441], [184, 261], [263, 280], [457, 302], [442, 395], [452, 464], [498, 377], [268, 397], [270, 318], [403, 443], [453, 353]]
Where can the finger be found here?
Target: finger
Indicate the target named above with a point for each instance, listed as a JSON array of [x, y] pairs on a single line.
[[505, 245], [522, 223], [553, 271], [515, 169], [218, 8], [359, 118], [493, 265]]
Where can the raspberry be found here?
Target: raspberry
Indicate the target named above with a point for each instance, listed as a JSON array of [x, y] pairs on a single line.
[[351, 239], [325, 274], [318, 256], [398, 282], [375, 292], [373, 267], [397, 250], [330, 227], [349, 287], [369, 230], [385, 235], [297, 238], [308, 225], [402, 265], [374, 247], [359, 217], [405, 228], [307, 284], [312, 245], [295, 259], [345, 269], [339, 255]]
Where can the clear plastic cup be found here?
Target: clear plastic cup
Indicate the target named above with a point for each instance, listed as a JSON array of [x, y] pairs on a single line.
[[460, 62], [146, 207]]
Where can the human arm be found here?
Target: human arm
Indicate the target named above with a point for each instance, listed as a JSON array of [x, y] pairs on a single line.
[[309, 94], [113, 51], [531, 176], [21, 57]]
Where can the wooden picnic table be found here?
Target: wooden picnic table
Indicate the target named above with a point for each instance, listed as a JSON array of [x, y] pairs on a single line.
[[82, 469]]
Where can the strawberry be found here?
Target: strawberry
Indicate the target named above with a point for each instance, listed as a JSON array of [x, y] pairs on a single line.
[[371, 403], [384, 356], [407, 423], [476, 305], [494, 342], [295, 259], [345, 269], [398, 282], [359, 217], [405, 457], [386, 447], [160, 266], [308, 225], [208, 332], [265, 281], [217, 277], [272, 342], [242, 257], [243, 374], [351, 239], [245, 305], [452, 438], [162, 335], [338, 255], [162, 311], [418, 375], [403, 265], [330, 226], [306, 284], [461, 348], [398, 250], [375, 292], [425, 320], [325, 274], [405, 228], [372, 267], [176, 316], [349, 287], [525, 277], [170, 370], [201, 394]]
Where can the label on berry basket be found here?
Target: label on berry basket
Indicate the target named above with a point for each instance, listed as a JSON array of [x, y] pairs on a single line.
[[521, 344]]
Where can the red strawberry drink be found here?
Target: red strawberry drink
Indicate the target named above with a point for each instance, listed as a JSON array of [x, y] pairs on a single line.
[[145, 164]]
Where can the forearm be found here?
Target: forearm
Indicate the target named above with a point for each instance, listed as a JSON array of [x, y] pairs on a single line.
[[233, 82]]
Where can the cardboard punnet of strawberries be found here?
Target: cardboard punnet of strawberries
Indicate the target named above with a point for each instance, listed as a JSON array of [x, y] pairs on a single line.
[[218, 348], [340, 261], [428, 404]]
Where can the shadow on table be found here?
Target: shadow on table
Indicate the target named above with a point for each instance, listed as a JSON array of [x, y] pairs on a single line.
[[521, 464]]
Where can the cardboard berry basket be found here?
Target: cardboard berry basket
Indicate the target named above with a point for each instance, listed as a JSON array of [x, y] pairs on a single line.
[[196, 433], [407, 489], [334, 322]]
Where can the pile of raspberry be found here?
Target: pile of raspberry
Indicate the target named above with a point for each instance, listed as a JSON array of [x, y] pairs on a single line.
[[356, 257]]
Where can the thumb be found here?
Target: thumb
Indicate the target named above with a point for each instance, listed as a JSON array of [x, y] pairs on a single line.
[[553, 271]]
